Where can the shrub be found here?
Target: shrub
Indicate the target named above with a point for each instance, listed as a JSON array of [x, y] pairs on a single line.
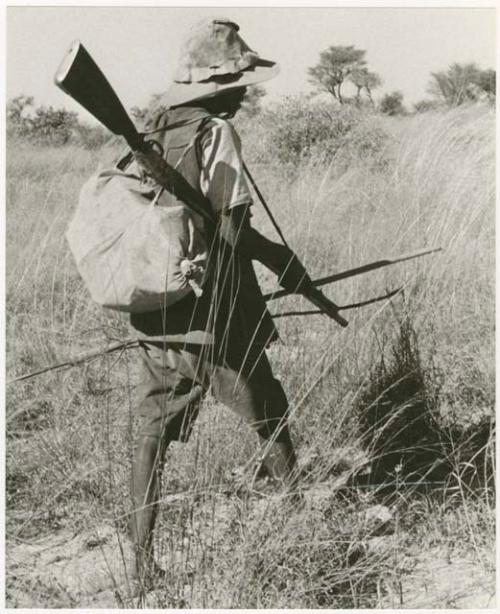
[[392, 104], [298, 128], [41, 125], [409, 426], [91, 137], [396, 411], [46, 126], [422, 106]]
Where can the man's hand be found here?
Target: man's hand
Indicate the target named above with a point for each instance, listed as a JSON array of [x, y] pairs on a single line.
[[294, 277]]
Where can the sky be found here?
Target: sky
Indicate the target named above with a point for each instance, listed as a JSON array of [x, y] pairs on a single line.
[[137, 48]]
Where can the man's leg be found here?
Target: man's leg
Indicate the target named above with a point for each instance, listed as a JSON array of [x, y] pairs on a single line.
[[247, 386], [147, 468], [168, 411], [277, 451]]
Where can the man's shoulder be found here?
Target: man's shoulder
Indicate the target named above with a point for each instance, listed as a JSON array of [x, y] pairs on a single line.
[[221, 132]]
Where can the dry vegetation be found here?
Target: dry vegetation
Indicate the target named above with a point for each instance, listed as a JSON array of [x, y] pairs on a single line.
[[407, 390]]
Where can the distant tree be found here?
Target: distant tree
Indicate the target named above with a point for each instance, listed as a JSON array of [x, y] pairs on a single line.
[[53, 126], [362, 78], [139, 114], [143, 115], [334, 66], [487, 80], [392, 104], [461, 83], [42, 124], [18, 114], [252, 103]]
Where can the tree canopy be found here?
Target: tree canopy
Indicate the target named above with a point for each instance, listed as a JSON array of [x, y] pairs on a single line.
[[335, 64], [362, 78], [252, 103], [461, 83]]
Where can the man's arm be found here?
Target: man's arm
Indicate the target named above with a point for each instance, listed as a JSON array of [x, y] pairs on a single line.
[[235, 229]]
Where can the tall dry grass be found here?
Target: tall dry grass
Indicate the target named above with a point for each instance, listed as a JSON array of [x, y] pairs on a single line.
[[70, 433]]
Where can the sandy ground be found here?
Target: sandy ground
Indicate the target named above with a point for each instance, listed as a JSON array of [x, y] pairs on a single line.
[[89, 569]]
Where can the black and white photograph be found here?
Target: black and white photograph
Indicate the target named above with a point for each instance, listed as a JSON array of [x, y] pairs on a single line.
[[249, 320]]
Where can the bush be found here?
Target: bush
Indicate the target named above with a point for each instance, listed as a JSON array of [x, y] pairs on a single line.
[[396, 412], [422, 106], [46, 126], [41, 125], [406, 425], [91, 137], [298, 128], [392, 104]]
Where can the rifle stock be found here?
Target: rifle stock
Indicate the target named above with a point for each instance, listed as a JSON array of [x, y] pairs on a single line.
[[80, 77]]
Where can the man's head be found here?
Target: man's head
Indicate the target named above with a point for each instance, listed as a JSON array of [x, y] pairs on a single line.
[[226, 103], [214, 62]]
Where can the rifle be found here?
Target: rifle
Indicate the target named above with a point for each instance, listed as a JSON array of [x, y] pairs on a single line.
[[80, 77]]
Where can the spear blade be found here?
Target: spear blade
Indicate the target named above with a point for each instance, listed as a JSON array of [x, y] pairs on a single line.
[[364, 268]]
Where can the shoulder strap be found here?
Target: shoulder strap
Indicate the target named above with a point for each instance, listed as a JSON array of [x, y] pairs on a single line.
[[180, 187], [175, 183]]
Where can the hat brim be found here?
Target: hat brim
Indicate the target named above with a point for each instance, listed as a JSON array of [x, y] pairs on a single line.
[[182, 93]]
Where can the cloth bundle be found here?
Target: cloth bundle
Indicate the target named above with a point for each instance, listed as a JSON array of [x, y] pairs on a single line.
[[133, 253]]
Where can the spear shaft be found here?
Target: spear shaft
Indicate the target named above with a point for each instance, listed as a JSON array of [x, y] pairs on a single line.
[[130, 343], [364, 268]]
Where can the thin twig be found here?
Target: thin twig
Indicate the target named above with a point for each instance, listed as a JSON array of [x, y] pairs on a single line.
[[122, 345]]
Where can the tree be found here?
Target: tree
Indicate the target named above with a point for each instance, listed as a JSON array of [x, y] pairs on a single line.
[[362, 78], [253, 98], [334, 66], [42, 124], [487, 80], [392, 104], [461, 83], [18, 114], [144, 115], [53, 126], [139, 114]]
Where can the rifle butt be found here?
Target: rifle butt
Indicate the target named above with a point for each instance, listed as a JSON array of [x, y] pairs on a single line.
[[80, 77]]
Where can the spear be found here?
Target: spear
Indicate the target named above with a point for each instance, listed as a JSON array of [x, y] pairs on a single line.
[[364, 268], [131, 343]]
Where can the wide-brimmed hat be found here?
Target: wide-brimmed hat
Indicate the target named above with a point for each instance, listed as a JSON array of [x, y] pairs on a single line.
[[214, 59]]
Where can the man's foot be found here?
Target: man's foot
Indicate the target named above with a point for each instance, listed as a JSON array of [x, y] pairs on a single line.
[[137, 577]]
